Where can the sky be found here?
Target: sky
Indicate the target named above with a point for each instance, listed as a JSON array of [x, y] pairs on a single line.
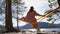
[[39, 5]]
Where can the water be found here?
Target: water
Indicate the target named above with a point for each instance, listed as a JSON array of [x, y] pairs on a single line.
[[46, 29]]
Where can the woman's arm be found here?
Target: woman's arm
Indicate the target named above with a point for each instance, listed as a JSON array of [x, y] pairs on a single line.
[[37, 14]]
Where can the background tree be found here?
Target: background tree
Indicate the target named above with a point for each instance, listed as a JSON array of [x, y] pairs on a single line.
[[58, 2], [55, 17], [8, 16], [19, 9], [13, 12]]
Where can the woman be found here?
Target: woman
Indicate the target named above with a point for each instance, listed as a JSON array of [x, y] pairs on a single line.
[[30, 17]]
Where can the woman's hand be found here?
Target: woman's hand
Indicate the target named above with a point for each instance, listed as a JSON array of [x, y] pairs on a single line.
[[43, 15], [21, 18]]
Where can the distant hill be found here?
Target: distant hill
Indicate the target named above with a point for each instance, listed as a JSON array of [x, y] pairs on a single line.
[[41, 25]]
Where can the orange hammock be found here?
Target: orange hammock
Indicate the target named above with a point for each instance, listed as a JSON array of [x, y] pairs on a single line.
[[43, 17]]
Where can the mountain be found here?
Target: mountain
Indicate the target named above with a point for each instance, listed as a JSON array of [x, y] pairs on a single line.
[[41, 25]]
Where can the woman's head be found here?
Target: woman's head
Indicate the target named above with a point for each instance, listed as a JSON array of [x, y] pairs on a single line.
[[31, 8]]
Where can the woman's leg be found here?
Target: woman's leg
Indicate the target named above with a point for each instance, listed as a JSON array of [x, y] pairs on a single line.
[[35, 25]]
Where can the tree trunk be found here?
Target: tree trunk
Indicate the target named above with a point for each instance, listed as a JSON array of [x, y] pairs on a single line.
[[8, 17], [58, 2]]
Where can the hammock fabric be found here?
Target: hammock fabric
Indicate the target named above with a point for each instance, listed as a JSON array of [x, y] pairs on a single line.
[[43, 17]]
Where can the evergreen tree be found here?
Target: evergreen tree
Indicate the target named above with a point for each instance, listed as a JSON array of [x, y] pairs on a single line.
[[5, 8], [55, 17]]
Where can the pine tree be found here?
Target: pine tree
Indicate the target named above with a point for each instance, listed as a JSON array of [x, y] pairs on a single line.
[[54, 17]]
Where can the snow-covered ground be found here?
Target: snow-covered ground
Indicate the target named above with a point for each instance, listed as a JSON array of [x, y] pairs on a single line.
[[46, 29], [33, 31]]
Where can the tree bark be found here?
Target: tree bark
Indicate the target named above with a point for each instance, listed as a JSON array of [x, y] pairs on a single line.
[[8, 17], [58, 2]]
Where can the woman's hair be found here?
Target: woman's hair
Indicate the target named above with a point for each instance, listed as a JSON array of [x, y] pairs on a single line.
[[31, 8]]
